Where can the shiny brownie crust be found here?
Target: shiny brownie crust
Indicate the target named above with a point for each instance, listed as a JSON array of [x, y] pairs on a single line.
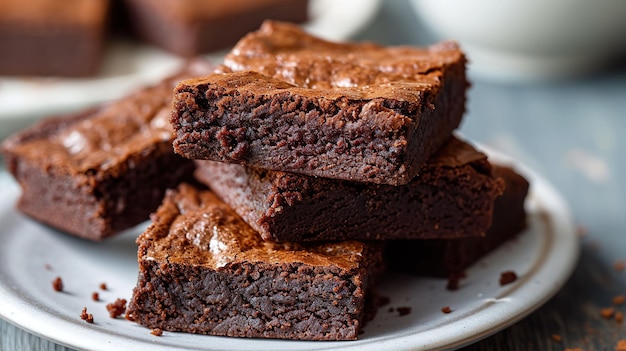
[[203, 270]]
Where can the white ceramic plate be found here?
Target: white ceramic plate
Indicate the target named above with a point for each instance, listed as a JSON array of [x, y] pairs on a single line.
[[31, 256], [127, 66]]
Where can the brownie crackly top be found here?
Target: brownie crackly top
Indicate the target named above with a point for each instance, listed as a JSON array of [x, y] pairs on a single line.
[[104, 137], [283, 51], [197, 228]]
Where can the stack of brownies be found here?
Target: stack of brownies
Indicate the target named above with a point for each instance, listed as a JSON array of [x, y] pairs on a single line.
[[317, 154], [327, 164]]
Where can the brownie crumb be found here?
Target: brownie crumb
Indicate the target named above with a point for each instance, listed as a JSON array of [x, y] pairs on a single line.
[[103, 286], [95, 296], [446, 309], [507, 277], [619, 300], [621, 345], [619, 266], [57, 284], [607, 313], [556, 337], [87, 317], [117, 308], [47, 266], [157, 332], [403, 311], [619, 317]]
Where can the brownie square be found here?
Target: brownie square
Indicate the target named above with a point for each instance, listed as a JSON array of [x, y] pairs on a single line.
[[288, 101], [193, 27], [452, 197], [103, 170], [203, 270], [449, 258], [51, 37]]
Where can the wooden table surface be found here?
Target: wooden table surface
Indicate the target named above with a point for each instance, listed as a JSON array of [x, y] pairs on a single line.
[[574, 133]]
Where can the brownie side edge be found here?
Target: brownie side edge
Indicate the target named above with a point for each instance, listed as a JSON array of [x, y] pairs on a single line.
[[443, 202], [449, 258], [291, 130]]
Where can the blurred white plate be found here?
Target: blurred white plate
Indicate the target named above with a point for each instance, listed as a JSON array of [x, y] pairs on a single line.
[[32, 255], [127, 66]]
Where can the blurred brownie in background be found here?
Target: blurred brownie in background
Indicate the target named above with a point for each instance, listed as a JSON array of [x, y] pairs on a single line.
[[51, 37], [191, 27]]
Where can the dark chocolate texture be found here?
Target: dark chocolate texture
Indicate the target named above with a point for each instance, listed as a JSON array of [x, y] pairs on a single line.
[[452, 197], [449, 258], [203, 270], [288, 101], [98, 172]]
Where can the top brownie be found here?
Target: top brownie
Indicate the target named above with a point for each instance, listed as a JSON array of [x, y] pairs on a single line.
[[285, 100]]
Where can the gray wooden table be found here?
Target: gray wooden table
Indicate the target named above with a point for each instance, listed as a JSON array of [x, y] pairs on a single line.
[[572, 132]]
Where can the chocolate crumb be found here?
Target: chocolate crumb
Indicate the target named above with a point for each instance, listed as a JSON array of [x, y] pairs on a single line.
[[117, 308], [507, 277], [47, 266], [403, 311], [556, 338], [619, 300], [157, 332], [446, 309], [87, 317], [621, 345], [619, 266], [95, 296], [619, 317], [607, 313], [103, 286], [57, 284]]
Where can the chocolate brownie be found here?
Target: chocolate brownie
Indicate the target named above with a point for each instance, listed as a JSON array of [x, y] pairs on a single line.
[[449, 258], [103, 170], [51, 37], [288, 101], [197, 26], [451, 198], [203, 270]]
